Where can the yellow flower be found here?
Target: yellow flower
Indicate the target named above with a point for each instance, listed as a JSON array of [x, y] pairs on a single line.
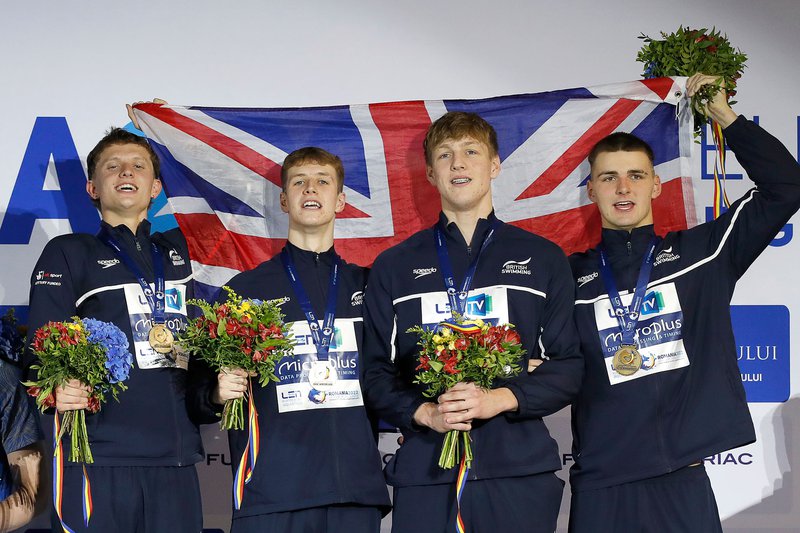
[[245, 307], [451, 345], [439, 348], [437, 339], [446, 332], [72, 326]]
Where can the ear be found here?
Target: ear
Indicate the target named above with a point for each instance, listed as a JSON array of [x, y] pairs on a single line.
[[656, 187], [590, 190], [284, 203], [340, 203], [155, 190], [429, 175], [91, 190], [495, 169]]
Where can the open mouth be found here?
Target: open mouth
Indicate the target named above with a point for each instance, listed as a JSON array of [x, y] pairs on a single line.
[[460, 180], [127, 187], [312, 204], [624, 205]]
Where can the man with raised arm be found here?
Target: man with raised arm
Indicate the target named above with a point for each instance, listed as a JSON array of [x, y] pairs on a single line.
[[662, 388], [145, 445]]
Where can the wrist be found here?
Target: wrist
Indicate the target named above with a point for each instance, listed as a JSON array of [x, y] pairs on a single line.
[[505, 400], [422, 416]]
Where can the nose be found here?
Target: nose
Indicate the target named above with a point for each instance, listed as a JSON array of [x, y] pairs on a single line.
[[126, 170], [310, 187], [623, 185], [457, 162]]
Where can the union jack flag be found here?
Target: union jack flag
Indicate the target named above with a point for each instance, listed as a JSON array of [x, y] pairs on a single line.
[[221, 167]]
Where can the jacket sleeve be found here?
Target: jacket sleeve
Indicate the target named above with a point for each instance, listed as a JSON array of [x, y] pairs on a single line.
[[52, 296], [385, 392], [751, 223], [201, 379], [553, 385]]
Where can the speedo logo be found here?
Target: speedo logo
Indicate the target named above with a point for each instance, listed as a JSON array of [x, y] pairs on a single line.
[[279, 301], [419, 272], [516, 267], [583, 280], [666, 256], [106, 263]]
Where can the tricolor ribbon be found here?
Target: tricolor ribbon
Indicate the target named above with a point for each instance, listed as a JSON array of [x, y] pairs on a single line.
[[720, 197], [467, 327], [58, 480], [247, 463], [461, 482]]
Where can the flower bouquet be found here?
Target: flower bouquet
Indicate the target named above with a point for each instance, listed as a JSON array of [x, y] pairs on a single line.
[[12, 337], [246, 334], [91, 351], [686, 52], [465, 350]]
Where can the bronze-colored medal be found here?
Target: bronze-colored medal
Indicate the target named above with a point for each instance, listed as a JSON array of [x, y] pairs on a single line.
[[161, 338], [627, 360]]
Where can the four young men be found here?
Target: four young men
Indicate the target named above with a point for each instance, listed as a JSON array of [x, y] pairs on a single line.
[[650, 408]]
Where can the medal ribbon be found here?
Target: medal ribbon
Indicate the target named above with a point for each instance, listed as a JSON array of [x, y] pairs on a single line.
[[155, 301], [720, 196], [58, 480], [458, 300], [461, 482], [628, 318], [458, 304], [247, 463], [323, 339]]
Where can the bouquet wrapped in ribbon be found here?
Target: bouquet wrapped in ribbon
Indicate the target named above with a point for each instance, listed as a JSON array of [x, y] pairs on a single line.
[[91, 351], [246, 334], [688, 51], [469, 351]]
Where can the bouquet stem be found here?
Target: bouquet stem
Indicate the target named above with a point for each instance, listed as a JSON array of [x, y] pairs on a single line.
[[451, 455], [74, 424], [233, 414]]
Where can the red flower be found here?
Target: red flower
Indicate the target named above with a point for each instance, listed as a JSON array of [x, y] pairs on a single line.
[[263, 332], [247, 350], [94, 404], [231, 327], [34, 391], [50, 401], [222, 311], [461, 343], [511, 337], [450, 366], [424, 363], [258, 356], [712, 49]]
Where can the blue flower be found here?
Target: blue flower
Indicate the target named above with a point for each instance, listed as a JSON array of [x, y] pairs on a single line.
[[648, 71], [11, 342], [115, 345]]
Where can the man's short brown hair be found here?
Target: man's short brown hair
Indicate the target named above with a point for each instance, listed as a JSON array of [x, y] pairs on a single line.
[[457, 125], [116, 136], [620, 142], [312, 154]]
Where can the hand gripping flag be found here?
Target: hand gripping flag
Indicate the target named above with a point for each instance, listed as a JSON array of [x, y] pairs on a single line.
[[221, 167]]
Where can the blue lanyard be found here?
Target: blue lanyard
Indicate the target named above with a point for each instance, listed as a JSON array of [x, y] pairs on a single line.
[[322, 339], [458, 299], [155, 300], [628, 318]]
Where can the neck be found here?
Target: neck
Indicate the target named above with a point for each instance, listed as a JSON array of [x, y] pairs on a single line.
[[115, 219], [312, 239], [467, 221]]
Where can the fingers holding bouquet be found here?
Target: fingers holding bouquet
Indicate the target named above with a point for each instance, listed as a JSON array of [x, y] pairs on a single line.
[[72, 395], [714, 100], [231, 385]]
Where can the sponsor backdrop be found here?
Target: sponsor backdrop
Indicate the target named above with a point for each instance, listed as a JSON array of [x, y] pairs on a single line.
[[70, 66]]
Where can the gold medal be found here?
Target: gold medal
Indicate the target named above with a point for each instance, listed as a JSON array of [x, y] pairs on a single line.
[[627, 360], [161, 338]]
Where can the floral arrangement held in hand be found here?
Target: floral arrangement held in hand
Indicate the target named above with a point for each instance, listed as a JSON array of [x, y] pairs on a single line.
[[461, 350], [686, 52], [91, 351], [246, 334]]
